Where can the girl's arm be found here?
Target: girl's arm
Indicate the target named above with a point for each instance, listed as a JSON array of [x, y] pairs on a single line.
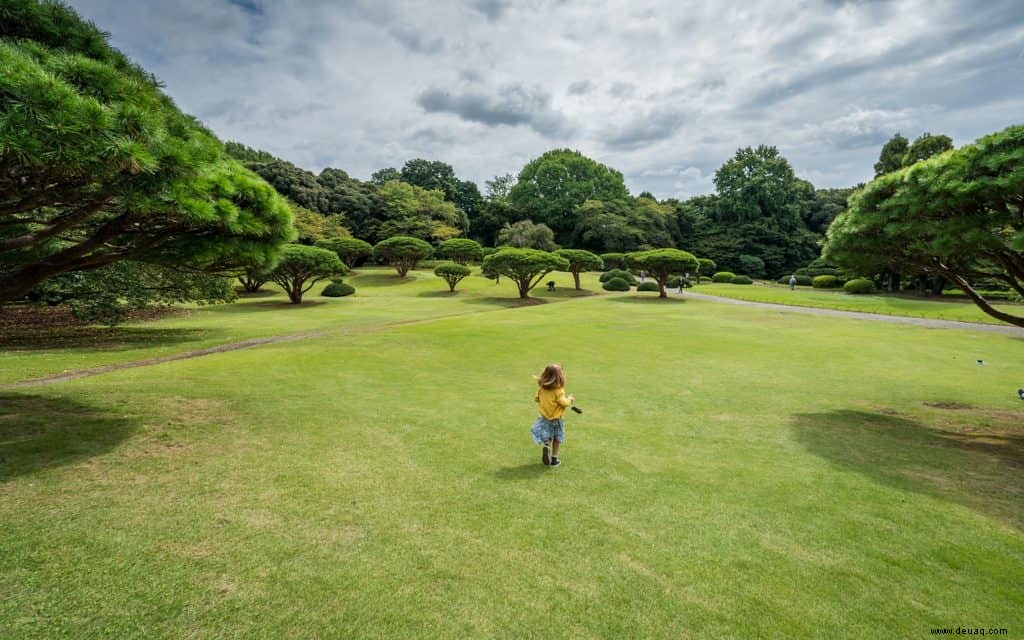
[[563, 400]]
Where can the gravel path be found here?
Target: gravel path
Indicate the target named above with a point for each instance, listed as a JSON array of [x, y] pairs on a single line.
[[859, 315]]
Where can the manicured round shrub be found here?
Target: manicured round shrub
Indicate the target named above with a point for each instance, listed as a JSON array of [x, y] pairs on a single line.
[[859, 285], [648, 286], [801, 281], [741, 280], [338, 289], [616, 284], [673, 282], [617, 273], [723, 276], [825, 282]]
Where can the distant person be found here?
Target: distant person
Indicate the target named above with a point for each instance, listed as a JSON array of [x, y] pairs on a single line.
[[642, 274], [792, 282], [549, 428]]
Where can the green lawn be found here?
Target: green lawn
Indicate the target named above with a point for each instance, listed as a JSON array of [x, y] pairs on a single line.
[[735, 474], [894, 305]]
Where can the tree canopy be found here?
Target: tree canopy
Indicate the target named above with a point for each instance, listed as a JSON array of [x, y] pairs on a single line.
[[525, 267], [461, 250], [959, 215], [580, 260], [300, 267], [97, 165], [402, 252], [661, 264], [524, 234], [550, 187], [452, 273]]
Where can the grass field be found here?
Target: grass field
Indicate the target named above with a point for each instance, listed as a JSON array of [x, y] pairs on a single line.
[[895, 305], [735, 474]]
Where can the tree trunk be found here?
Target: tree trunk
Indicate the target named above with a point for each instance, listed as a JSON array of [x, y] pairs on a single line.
[[938, 285], [981, 302], [576, 279], [524, 289]]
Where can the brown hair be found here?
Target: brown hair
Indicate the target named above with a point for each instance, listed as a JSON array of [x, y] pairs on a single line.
[[552, 377]]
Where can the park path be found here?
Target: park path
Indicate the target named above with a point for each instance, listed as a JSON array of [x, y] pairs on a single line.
[[860, 315]]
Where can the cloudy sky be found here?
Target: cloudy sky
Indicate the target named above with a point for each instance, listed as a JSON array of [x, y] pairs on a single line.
[[663, 91]]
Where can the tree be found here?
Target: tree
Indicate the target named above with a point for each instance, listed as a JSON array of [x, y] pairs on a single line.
[[707, 267], [525, 267], [527, 235], [313, 227], [384, 176], [758, 185], [893, 154], [958, 215], [108, 294], [409, 210], [500, 187], [613, 260], [580, 260], [461, 250], [402, 252], [253, 278], [98, 166], [492, 217], [300, 264], [751, 265], [350, 250], [550, 187], [452, 273], [926, 146], [660, 264]]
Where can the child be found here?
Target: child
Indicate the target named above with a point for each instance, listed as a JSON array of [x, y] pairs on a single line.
[[549, 429]]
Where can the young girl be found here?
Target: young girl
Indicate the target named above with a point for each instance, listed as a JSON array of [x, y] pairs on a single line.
[[549, 429]]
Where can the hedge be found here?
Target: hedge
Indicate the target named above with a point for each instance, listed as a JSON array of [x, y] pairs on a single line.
[[648, 286], [826, 282], [617, 273], [742, 280], [859, 285], [616, 284], [338, 289], [723, 276]]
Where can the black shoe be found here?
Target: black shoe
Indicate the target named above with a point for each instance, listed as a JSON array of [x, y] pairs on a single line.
[[544, 455], [555, 462]]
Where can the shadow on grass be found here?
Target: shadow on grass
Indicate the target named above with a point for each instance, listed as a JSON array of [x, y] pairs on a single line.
[[647, 297], [379, 280], [522, 472], [42, 432], [979, 468], [245, 295], [279, 304], [97, 338]]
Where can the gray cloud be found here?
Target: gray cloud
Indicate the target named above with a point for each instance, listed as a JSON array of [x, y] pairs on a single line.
[[664, 92], [513, 104]]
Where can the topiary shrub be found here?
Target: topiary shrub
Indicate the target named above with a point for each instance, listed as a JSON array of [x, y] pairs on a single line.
[[859, 285], [338, 289], [674, 281], [825, 282], [617, 273], [742, 280], [801, 281], [616, 284], [648, 286], [723, 276]]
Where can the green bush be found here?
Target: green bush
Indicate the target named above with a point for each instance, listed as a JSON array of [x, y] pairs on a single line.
[[742, 280], [616, 284], [801, 280], [859, 285], [648, 286], [826, 282], [723, 276], [673, 282], [622, 274], [338, 289]]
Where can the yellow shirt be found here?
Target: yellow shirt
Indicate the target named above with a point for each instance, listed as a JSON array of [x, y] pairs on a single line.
[[553, 402]]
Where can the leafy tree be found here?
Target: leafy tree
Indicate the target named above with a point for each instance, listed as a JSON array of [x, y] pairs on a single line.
[[707, 267], [98, 166], [300, 264], [580, 260], [551, 187], [893, 154], [606, 226], [108, 294], [253, 278], [758, 185], [527, 235], [493, 216], [826, 204], [242, 153], [409, 210], [500, 187], [402, 252], [926, 146], [296, 184], [959, 215], [752, 265], [451, 273], [313, 227], [613, 260], [350, 250], [525, 267], [660, 264], [384, 176], [461, 250]]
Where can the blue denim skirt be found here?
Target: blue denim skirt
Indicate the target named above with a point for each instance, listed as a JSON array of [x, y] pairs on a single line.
[[544, 429]]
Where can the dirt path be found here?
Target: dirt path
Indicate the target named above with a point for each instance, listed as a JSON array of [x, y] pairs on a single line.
[[859, 315]]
